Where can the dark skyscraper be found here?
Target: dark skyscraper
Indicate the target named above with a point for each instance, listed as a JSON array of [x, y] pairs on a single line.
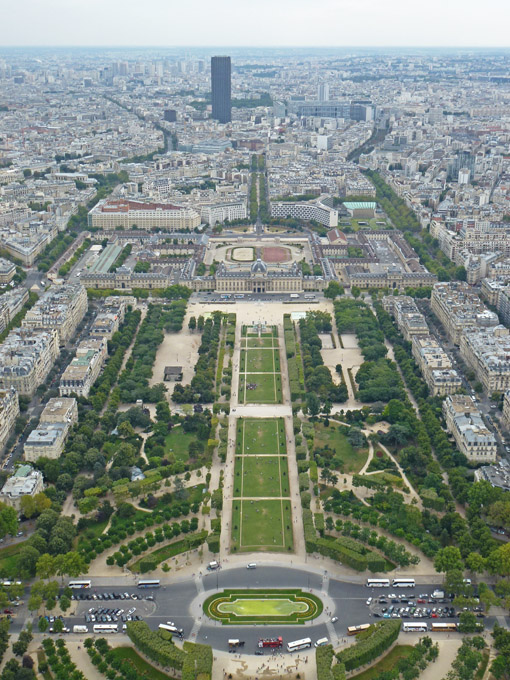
[[221, 90]]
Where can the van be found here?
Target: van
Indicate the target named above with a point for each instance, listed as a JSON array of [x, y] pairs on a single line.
[[251, 565], [213, 565], [322, 642]]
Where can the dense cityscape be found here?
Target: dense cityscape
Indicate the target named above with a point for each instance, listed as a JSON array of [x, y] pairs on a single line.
[[254, 363]]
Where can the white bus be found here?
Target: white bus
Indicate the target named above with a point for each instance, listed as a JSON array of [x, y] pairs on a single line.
[[378, 582], [106, 628], [414, 627], [76, 585], [299, 644], [148, 584], [8, 584], [80, 629], [171, 629], [239, 296], [293, 296], [403, 583]]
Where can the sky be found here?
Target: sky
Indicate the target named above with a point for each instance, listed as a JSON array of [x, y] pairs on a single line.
[[327, 23]]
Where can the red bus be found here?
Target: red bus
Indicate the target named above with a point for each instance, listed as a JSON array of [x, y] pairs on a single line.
[[275, 643]]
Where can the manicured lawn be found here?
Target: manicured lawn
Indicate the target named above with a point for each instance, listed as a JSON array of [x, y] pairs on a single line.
[[165, 552], [177, 442], [254, 343], [262, 607], [352, 459], [144, 669], [268, 388], [260, 361], [261, 476], [387, 663], [262, 436], [262, 525]]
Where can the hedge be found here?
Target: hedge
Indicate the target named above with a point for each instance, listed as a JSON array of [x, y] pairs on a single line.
[[151, 644], [198, 661], [324, 657], [309, 531], [381, 636]]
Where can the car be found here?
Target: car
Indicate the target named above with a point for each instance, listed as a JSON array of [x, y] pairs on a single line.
[[259, 652], [8, 611], [150, 598], [420, 600], [334, 619], [383, 601], [368, 602]]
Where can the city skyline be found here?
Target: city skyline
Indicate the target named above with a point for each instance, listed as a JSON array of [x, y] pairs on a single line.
[[287, 24]]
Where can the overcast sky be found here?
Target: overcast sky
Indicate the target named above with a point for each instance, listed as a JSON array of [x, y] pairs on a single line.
[[337, 23]]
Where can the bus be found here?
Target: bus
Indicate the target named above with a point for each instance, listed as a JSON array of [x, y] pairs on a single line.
[[239, 296], [309, 297], [403, 583], [299, 644], [225, 296], [378, 582], [443, 627], [77, 585], [274, 643], [148, 584], [171, 629], [106, 628], [293, 296], [8, 584], [355, 630], [414, 627]]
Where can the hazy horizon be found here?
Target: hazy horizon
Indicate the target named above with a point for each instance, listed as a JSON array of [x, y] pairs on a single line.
[[289, 24]]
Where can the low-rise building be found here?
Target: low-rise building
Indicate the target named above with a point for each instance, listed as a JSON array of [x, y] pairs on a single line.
[[120, 212], [47, 440], [26, 358], [409, 319], [24, 482], [9, 411], [60, 410], [497, 475], [317, 210], [464, 421]]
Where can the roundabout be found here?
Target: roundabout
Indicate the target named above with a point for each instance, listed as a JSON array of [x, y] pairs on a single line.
[[261, 607]]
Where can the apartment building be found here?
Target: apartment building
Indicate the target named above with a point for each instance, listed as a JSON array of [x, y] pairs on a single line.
[[84, 369], [506, 410], [60, 308], [24, 482], [47, 441], [497, 475], [409, 319], [221, 212], [60, 410], [11, 303], [458, 308], [26, 358], [465, 423], [487, 352], [112, 213], [7, 271], [104, 325], [9, 411], [435, 366]]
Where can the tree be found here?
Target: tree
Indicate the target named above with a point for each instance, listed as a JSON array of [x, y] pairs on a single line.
[[28, 557], [27, 506], [468, 623], [192, 324], [355, 291], [43, 624], [8, 520], [448, 559], [46, 566], [312, 403], [499, 560], [65, 603], [58, 625], [34, 602], [333, 290]]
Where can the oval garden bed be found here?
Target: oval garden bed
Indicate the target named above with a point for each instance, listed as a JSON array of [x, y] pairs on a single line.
[[287, 606]]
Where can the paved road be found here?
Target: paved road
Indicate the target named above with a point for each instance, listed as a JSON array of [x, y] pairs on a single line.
[[180, 602]]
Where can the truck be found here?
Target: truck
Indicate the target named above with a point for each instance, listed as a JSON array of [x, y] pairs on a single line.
[[274, 643], [294, 296], [438, 594], [80, 629], [212, 566]]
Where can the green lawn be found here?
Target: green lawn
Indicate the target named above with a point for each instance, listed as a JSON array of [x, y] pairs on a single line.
[[177, 442], [261, 525], [387, 663], [261, 476], [9, 560], [268, 388], [167, 551], [262, 607], [255, 342], [260, 361], [352, 459], [144, 669], [261, 436]]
